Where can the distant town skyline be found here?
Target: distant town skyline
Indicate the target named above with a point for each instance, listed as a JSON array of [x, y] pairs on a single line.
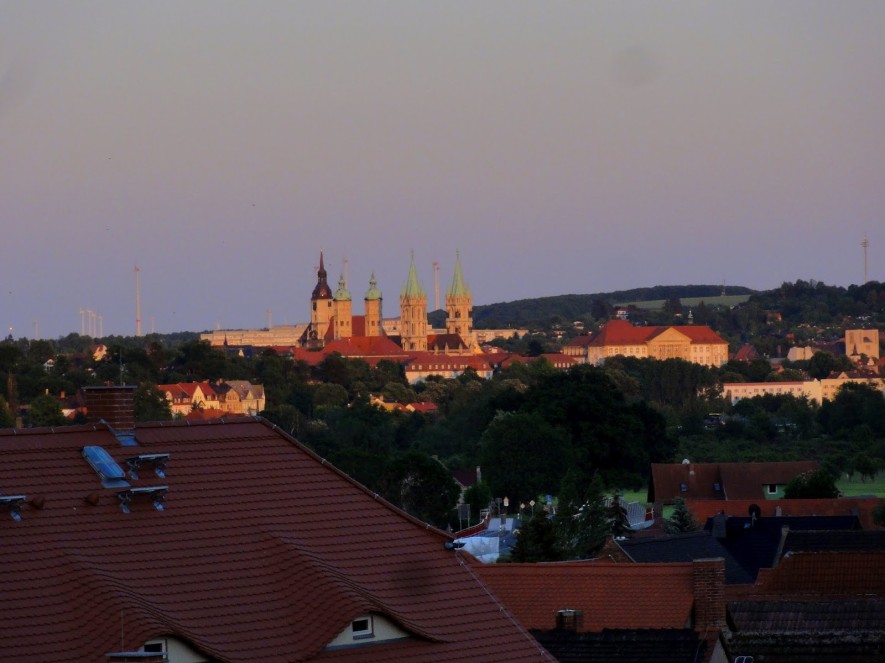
[[561, 147]]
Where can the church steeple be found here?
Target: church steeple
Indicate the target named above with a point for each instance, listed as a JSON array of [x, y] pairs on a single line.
[[322, 289], [459, 306], [320, 305], [458, 287], [413, 312], [413, 287], [343, 312], [372, 303]]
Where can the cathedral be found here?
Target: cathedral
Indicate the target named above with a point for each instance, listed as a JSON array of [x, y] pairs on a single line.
[[332, 318]]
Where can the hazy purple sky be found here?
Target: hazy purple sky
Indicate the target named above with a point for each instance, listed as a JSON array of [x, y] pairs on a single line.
[[563, 147]]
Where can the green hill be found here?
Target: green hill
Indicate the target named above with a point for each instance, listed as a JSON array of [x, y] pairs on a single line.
[[540, 311]]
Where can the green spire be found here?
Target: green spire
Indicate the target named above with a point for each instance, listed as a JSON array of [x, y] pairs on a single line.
[[458, 287], [413, 287], [342, 294], [373, 292]]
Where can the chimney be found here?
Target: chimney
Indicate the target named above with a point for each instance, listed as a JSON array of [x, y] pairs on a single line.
[[478, 474], [570, 620], [114, 404], [709, 593]]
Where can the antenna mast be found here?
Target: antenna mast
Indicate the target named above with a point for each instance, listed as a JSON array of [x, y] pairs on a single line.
[[137, 302], [436, 285], [865, 244]]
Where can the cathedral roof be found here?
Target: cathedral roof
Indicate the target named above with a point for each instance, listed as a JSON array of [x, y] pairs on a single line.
[[413, 287], [373, 293], [322, 289], [458, 287]]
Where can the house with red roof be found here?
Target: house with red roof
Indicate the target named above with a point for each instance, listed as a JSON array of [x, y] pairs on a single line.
[[722, 481], [583, 606], [224, 542], [694, 343]]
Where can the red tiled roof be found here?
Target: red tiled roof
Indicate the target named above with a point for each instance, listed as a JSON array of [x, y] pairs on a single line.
[[825, 574], [736, 480], [445, 342], [843, 506], [264, 553], [701, 334], [621, 332], [579, 341], [365, 346], [610, 595]]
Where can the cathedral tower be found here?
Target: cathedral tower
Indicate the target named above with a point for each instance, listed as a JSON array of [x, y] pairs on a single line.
[[343, 309], [373, 308], [459, 306], [413, 313], [320, 305]]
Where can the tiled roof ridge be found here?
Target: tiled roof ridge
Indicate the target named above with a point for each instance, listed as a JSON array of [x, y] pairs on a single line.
[[42, 430]]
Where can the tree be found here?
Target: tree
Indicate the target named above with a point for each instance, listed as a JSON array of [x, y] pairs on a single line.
[[420, 485], [812, 485], [536, 540], [681, 520], [7, 419], [823, 363], [150, 404], [478, 496], [581, 521], [617, 518], [45, 411], [523, 455]]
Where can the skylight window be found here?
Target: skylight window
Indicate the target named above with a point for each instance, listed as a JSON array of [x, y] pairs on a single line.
[[107, 469]]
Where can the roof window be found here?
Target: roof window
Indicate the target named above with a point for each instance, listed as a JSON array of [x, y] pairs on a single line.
[[157, 495], [157, 461], [107, 469], [13, 504], [683, 487]]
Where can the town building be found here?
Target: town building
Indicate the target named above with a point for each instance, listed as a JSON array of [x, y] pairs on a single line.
[[814, 390], [695, 343]]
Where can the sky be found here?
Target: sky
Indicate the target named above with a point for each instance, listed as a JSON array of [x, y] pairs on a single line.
[[560, 147]]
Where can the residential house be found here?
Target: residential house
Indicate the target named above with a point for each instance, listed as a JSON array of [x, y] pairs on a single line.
[[722, 481], [224, 542], [617, 612]]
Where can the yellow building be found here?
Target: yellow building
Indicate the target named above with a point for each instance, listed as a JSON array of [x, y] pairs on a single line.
[[695, 343]]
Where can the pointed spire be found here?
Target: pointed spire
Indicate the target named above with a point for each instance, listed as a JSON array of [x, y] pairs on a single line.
[[373, 292], [458, 287], [322, 289], [413, 286]]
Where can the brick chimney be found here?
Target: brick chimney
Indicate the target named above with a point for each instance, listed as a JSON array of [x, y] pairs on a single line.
[[114, 404], [709, 593]]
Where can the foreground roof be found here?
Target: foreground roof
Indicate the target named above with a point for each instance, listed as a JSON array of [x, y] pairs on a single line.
[[263, 553]]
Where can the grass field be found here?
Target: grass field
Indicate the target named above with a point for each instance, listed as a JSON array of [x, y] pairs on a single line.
[[658, 304], [855, 487]]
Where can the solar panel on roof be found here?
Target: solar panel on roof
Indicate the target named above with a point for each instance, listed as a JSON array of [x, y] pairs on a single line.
[[110, 473]]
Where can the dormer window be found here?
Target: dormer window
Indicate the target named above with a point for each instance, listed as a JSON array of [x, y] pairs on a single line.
[[367, 630], [362, 628]]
